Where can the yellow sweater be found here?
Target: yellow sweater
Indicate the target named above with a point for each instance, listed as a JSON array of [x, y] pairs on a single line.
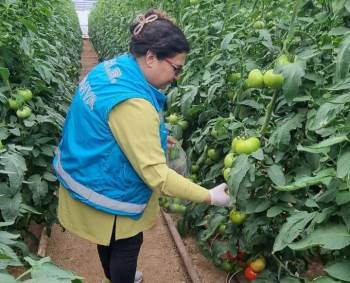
[[135, 125]]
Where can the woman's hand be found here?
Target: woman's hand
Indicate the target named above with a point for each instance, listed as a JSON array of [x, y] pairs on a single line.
[[219, 196]]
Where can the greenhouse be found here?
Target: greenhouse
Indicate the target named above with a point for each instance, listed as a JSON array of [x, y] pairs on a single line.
[[180, 141]]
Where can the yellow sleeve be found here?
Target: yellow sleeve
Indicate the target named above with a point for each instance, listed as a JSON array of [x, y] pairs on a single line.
[[135, 125]]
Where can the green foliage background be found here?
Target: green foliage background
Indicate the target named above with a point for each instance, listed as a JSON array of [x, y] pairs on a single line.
[[40, 45]]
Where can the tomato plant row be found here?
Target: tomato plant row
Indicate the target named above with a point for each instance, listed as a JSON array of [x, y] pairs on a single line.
[[266, 105], [40, 47]]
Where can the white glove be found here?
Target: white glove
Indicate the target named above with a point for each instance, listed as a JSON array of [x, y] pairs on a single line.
[[218, 195]]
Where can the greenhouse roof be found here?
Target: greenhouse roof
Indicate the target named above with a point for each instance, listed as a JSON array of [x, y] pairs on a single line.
[[83, 5]]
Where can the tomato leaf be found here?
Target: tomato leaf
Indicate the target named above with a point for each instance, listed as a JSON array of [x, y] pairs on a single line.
[[281, 136], [324, 145], [226, 41], [293, 74], [5, 74], [343, 60], [345, 214], [291, 230], [324, 279], [7, 278], [38, 187], [330, 237], [323, 176], [338, 5], [16, 166], [10, 206], [328, 111], [257, 205], [276, 174], [44, 269], [187, 100], [213, 224], [343, 164], [238, 172], [290, 280], [339, 31]]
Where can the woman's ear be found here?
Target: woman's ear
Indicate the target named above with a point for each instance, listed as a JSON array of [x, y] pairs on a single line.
[[150, 59]]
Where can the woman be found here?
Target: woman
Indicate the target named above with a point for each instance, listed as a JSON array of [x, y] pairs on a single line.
[[111, 159]]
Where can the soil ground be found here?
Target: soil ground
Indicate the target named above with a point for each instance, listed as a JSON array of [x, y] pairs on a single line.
[[158, 260]]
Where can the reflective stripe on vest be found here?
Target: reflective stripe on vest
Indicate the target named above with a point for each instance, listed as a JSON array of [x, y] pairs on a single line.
[[92, 195]]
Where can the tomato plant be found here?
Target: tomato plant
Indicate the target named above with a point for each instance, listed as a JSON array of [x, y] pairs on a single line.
[[292, 177], [39, 57]]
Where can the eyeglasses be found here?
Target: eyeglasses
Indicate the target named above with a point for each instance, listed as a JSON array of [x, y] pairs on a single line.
[[177, 68]]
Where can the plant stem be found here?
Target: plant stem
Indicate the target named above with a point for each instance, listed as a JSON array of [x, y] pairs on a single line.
[[281, 265], [292, 25], [24, 274], [268, 114]]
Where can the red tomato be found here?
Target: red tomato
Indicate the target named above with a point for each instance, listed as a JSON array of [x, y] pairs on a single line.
[[249, 274]]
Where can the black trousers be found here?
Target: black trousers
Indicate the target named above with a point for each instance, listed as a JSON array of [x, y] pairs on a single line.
[[119, 259]]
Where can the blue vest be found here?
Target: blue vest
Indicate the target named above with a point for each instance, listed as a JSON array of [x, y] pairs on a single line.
[[89, 162]]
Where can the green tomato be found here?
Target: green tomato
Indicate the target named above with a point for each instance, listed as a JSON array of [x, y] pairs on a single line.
[[234, 77], [177, 208], [226, 173], [227, 265], [222, 228], [194, 168], [218, 131], [172, 118], [233, 143], [247, 146], [282, 60], [255, 79], [166, 204], [183, 124], [213, 154], [259, 25], [228, 161], [214, 133], [237, 217], [193, 178], [26, 94], [230, 94], [273, 80], [24, 113], [14, 104]]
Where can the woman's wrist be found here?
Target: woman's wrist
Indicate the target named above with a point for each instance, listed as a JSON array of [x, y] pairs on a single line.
[[208, 199]]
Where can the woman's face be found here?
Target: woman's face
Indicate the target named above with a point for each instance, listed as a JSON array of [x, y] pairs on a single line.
[[163, 72]]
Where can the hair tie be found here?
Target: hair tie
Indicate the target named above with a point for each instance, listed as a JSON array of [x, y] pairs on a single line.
[[142, 20]]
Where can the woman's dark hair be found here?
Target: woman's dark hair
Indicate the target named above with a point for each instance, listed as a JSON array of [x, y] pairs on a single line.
[[160, 36]]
